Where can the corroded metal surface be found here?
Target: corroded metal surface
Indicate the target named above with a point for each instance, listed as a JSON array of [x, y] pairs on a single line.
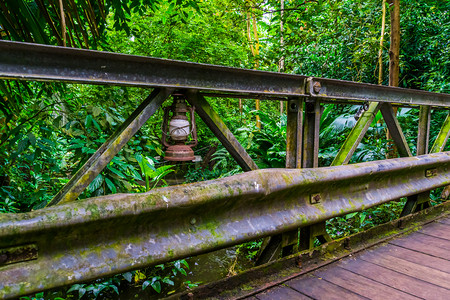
[[103, 156], [101, 236], [332, 89], [294, 134], [395, 130], [311, 132], [441, 139], [24, 61], [423, 134], [355, 137], [221, 131]]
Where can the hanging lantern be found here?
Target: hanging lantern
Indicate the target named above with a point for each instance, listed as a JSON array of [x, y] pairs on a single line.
[[175, 132]]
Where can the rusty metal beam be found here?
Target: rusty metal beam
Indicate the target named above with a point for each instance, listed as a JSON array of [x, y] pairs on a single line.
[[294, 134], [101, 236], [311, 131], [332, 89], [415, 203], [356, 135], [395, 130], [423, 134], [103, 156], [221, 131], [283, 244], [24, 61]]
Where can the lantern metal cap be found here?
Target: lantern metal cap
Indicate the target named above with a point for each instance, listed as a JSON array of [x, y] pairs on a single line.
[[179, 153]]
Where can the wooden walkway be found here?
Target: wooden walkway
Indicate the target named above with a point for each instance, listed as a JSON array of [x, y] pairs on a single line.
[[416, 266]]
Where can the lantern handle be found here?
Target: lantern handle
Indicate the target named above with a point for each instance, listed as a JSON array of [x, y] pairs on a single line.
[[164, 127], [193, 127]]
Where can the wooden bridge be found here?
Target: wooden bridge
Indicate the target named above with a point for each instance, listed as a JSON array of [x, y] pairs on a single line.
[[404, 259], [74, 241]]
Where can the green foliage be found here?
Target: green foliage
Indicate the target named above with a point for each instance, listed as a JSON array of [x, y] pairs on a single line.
[[40, 20], [424, 47], [196, 174], [207, 32], [100, 288], [41, 296], [162, 277], [8, 205], [359, 221], [250, 249], [267, 146], [147, 166]]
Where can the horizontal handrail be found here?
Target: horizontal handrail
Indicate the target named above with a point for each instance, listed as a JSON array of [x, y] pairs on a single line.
[[106, 235], [25, 61]]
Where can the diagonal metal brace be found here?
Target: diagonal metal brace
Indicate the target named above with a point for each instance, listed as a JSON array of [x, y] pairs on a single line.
[[395, 130], [442, 137], [103, 156], [221, 131], [356, 135]]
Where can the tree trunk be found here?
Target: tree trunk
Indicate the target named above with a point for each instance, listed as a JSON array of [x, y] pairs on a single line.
[[380, 52], [281, 62], [63, 23], [394, 60], [394, 51], [256, 40], [254, 47]]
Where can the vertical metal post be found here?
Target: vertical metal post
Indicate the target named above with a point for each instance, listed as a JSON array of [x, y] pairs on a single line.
[[311, 131], [221, 131], [294, 134], [284, 243], [423, 134], [420, 201], [294, 139]]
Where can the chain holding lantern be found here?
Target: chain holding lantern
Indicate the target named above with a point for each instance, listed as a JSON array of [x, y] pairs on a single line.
[[175, 133]]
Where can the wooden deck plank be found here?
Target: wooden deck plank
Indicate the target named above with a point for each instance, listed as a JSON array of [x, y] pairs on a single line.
[[417, 257], [281, 293], [444, 221], [426, 244], [438, 230], [397, 280], [317, 288], [361, 285], [423, 273], [430, 240]]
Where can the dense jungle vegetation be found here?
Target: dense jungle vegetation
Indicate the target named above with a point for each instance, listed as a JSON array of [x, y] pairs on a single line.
[[48, 130]]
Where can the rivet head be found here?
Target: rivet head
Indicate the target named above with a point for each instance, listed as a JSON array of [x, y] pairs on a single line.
[[315, 198], [431, 172], [3, 258], [317, 87]]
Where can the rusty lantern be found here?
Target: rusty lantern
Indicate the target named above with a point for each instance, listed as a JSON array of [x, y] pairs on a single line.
[[175, 132]]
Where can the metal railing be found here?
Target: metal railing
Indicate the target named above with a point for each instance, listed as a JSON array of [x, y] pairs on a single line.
[[81, 240]]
